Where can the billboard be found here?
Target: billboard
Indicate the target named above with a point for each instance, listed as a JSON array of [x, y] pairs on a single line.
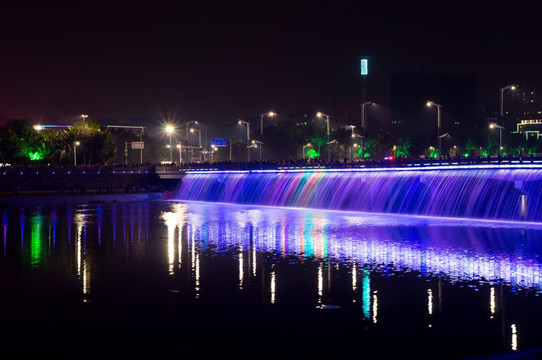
[[219, 142], [138, 145]]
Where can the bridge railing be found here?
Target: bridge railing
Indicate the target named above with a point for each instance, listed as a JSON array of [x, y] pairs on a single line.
[[270, 165], [266, 165]]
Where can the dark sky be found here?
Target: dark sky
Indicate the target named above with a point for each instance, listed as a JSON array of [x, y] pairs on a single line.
[[217, 62]]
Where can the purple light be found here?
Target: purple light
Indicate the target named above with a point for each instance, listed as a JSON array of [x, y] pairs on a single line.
[[504, 193]]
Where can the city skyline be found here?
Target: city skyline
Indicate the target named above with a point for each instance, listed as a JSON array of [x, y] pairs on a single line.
[[218, 64]]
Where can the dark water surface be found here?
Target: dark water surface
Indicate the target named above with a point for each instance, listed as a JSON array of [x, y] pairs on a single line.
[[173, 279]]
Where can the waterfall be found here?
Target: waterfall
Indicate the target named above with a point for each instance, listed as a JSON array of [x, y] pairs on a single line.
[[482, 193]]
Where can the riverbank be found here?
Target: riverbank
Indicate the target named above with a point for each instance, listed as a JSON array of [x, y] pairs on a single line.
[[56, 198]]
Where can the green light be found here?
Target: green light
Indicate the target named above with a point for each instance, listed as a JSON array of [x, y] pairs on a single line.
[[364, 67], [312, 154], [36, 249], [33, 156]]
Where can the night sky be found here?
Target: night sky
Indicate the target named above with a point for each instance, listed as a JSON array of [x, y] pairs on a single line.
[[218, 62]]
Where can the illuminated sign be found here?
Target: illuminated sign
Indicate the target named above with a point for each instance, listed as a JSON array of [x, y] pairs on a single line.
[[364, 67], [138, 145], [219, 142]]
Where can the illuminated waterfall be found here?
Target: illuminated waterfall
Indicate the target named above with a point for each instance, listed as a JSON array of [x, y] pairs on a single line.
[[497, 193]]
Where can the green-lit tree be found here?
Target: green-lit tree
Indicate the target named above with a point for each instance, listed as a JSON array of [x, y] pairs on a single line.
[[403, 147], [470, 147], [492, 145], [21, 143]]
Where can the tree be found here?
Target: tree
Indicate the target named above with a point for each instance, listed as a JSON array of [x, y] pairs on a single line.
[[20, 143], [470, 147], [403, 147], [96, 142]]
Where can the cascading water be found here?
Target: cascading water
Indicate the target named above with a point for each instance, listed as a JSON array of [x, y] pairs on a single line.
[[496, 193]]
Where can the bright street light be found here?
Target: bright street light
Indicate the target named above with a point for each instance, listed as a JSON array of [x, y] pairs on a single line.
[[306, 146], [430, 103], [84, 117], [75, 144], [268, 114], [180, 147], [260, 143], [320, 114], [492, 126], [511, 87], [199, 139], [248, 136], [186, 138], [169, 131]]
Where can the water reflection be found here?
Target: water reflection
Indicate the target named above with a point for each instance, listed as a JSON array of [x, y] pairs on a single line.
[[483, 252], [384, 270]]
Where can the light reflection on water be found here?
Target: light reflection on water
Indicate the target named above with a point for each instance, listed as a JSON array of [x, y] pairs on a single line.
[[381, 271]]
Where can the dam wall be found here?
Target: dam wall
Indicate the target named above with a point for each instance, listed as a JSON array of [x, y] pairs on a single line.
[[504, 192]]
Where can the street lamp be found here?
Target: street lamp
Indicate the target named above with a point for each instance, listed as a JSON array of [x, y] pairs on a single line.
[[361, 137], [306, 146], [75, 144], [511, 87], [430, 103], [169, 130], [363, 126], [180, 147], [268, 114], [199, 139], [492, 126], [248, 136], [186, 139], [253, 145], [84, 117], [256, 143], [327, 124]]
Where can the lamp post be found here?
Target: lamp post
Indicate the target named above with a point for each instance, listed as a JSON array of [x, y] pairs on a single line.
[[169, 130], [511, 87], [258, 144], [84, 117], [199, 139], [306, 146], [363, 126], [253, 145], [180, 147], [361, 137], [492, 126], [248, 136], [327, 124], [269, 114], [75, 144], [186, 139], [438, 106]]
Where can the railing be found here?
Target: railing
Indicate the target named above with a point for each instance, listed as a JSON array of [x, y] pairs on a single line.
[[270, 165], [267, 165], [98, 169]]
